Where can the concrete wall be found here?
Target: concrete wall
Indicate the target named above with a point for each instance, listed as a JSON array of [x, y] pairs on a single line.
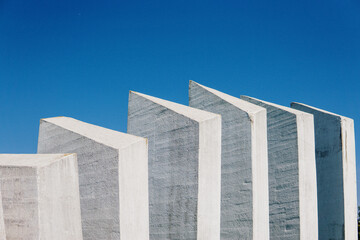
[[292, 172], [112, 176], [336, 176], [2, 225], [40, 196], [184, 167], [244, 182]]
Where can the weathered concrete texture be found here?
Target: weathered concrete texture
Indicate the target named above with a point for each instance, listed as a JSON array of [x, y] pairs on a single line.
[[336, 173], [40, 196], [292, 172], [184, 167], [2, 226], [113, 176], [244, 161]]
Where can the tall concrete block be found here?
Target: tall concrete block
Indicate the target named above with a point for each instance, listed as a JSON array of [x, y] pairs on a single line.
[[244, 161], [2, 225], [113, 176], [40, 196], [184, 167], [292, 172], [336, 173]]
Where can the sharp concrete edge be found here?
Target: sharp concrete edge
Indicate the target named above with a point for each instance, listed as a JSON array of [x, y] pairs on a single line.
[[112, 173], [245, 212], [290, 135], [336, 169], [187, 136]]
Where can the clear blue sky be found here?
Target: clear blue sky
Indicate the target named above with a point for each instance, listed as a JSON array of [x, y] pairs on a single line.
[[80, 58]]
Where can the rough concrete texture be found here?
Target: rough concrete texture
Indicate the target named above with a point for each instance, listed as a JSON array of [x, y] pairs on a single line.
[[40, 196], [113, 176], [292, 172], [2, 225], [184, 167], [244, 163], [336, 173]]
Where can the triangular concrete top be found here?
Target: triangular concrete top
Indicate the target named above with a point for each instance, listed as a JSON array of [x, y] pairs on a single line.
[[192, 113], [237, 102], [108, 137], [30, 160], [287, 109], [320, 110]]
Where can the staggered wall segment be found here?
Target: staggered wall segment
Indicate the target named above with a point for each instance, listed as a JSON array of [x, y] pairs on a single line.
[[184, 167], [40, 196], [336, 173], [292, 172], [113, 176], [244, 183]]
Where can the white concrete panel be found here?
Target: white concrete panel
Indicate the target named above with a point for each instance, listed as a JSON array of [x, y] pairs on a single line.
[[245, 201], [113, 176], [2, 225], [184, 167], [336, 173], [292, 172], [40, 196]]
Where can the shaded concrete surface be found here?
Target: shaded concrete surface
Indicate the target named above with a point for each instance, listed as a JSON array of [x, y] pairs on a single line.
[[336, 173], [112, 173], [292, 172], [244, 182], [184, 167], [40, 196]]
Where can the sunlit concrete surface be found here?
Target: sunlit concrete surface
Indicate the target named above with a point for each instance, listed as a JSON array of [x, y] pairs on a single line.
[[244, 182], [113, 175], [336, 173], [40, 196], [292, 172], [184, 167]]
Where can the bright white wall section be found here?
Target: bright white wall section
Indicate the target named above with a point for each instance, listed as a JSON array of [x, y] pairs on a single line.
[[244, 191], [113, 176], [292, 172], [40, 195], [336, 173], [184, 167]]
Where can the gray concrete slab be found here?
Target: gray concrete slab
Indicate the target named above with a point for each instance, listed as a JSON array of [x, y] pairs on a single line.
[[184, 167], [112, 174], [336, 173], [2, 225], [244, 161], [292, 172], [40, 196]]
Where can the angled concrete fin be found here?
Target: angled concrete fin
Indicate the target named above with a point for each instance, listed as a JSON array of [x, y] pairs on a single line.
[[184, 167], [244, 182], [40, 196], [336, 173], [112, 174], [292, 172]]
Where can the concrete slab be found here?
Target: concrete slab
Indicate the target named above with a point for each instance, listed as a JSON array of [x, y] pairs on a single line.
[[184, 167], [244, 160], [113, 176], [40, 196], [336, 173], [2, 225], [292, 172]]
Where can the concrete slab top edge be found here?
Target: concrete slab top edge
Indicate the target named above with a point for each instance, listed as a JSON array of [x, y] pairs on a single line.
[[237, 102], [31, 160], [321, 110], [298, 113], [189, 112], [108, 137]]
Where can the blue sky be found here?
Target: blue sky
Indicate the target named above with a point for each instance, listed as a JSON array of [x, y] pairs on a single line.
[[80, 58]]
